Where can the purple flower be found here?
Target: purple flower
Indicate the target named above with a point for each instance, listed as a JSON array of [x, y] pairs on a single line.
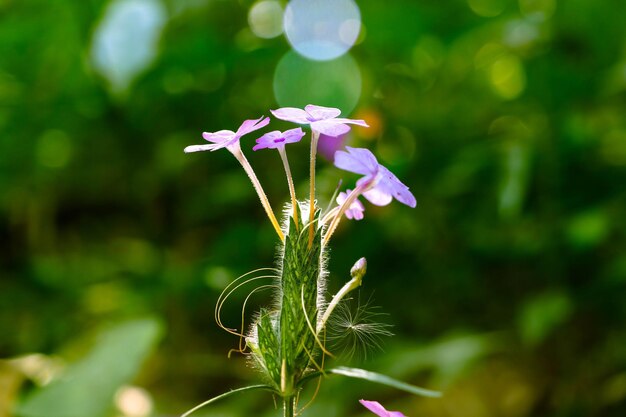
[[379, 184], [356, 209], [379, 410], [324, 120], [276, 139], [228, 138]]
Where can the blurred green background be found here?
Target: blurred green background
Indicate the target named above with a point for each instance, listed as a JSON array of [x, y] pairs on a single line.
[[505, 286]]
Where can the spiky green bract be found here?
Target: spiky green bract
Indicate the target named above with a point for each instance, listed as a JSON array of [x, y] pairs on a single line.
[[282, 341], [301, 271], [268, 347]]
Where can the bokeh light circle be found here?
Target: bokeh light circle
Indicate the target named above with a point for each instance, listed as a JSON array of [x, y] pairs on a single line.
[[299, 81], [487, 8], [126, 40], [266, 19], [322, 29]]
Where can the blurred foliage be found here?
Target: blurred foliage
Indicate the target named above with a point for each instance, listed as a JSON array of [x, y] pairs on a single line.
[[88, 387], [505, 286]]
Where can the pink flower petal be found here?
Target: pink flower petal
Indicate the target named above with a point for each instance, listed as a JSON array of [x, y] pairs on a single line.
[[252, 125], [328, 145], [276, 139], [356, 209], [330, 127], [357, 160], [390, 184], [267, 141], [322, 113], [352, 121], [218, 137], [198, 148], [384, 184], [378, 197], [379, 410], [291, 114], [293, 135]]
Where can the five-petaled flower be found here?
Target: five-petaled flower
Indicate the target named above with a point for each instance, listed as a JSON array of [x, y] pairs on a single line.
[[228, 138], [324, 120], [378, 184], [276, 139], [356, 209], [379, 410]]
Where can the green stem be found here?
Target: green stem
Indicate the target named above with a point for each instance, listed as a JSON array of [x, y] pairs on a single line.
[[288, 406], [342, 209], [314, 138], [292, 190], [355, 282], [228, 394], [236, 151]]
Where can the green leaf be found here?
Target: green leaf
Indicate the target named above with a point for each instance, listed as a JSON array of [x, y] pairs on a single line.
[[384, 380], [228, 394], [89, 385]]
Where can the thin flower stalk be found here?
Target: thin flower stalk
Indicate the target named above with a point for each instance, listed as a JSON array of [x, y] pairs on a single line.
[[356, 209], [330, 214], [314, 332], [230, 140], [277, 140], [292, 190], [259, 190], [314, 138], [342, 209], [358, 271]]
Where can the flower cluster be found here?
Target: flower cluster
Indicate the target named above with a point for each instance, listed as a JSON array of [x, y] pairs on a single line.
[[378, 185], [285, 341]]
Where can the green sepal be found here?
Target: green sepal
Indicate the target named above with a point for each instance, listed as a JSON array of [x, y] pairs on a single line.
[[268, 348]]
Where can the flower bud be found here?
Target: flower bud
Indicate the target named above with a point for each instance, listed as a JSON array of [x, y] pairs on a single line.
[[359, 269]]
